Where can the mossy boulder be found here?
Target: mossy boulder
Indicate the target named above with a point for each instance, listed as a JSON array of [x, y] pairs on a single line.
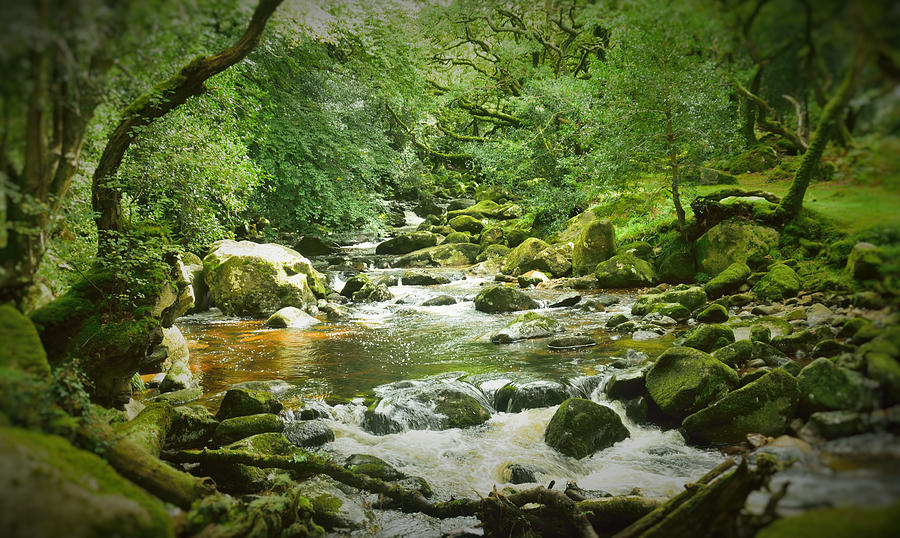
[[525, 326], [734, 354], [825, 386], [237, 428], [239, 402], [707, 337], [625, 271], [290, 316], [372, 292], [173, 348], [518, 396], [574, 226], [790, 344], [444, 255], [178, 377], [765, 406], [886, 371], [714, 313], [534, 254], [461, 410], [192, 426], [596, 243], [626, 384], [374, 467], [492, 236], [493, 252], [684, 380], [255, 280], [728, 281], [675, 311], [332, 508], [676, 263], [691, 298], [22, 348], [50, 488], [734, 241], [459, 237], [581, 427], [865, 262], [308, 433], [496, 299], [466, 223], [408, 242], [781, 282]]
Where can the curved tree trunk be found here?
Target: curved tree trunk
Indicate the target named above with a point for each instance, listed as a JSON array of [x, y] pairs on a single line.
[[106, 198]]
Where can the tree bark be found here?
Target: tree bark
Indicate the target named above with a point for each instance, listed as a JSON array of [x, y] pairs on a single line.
[[793, 201], [106, 198]]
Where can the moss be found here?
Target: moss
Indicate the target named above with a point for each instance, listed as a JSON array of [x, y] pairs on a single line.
[[150, 427], [734, 354], [595, 243], [534, 254], [779, 283], [728, 281], [581, 427], [827, 387], [707, 337], [233, 429], [837, 523], [764, 406], [466, 223], [22, 348], [691, 298], [675, 311], [625, 271], [683, 380], [59, 490], [734, 241], [243, 402], [460, 409], [459, 237], [495, 299], [714, 313]]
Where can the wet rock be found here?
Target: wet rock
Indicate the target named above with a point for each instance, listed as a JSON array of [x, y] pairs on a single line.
[[179, 397], [516, 397], [627, 384], [234, 429], [830, 348], [354, 284], [408, 242], [615, 320], [532, 278], [790, 344], [272, 386], [525, 326], [567, 301], [310, 245], [827, 387], [240, 402], [308, 433], [173, 348], [50, 488], [596, 243], [290, 316], [466, 223], [178, 377], [332, 508], [192, 427], [733, 241], [459, 237], [707, 337], [534, 254], [714, 313], [779, 283], [644, 334], [760, 333], [446, 255], [795, 314], [765, 406], [515, 473], [728, 281], [675, 311], [440, 300], [740, 299], [626, 328], [684, 380], [691, 298], [372, 293], [833, 424], [496, 299], [571, 342], [818, 314], [251, 279], [414, 278], [735, 354], [625, 271], [581, 427], [659, 320], [491, 236], [492, 252], [374, 467], [765, 310], [312, 409], [416, 483]]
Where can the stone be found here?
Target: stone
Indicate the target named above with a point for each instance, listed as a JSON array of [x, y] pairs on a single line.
[[178, 377], [440, 300], [581, 427], [760, 333], [795, 314], [676, 263], [525, 326], [691, 298], [492, 236], [372, 293], [515, 397], [50, 488], [625, 271], [308, 433], [684, 380], [22, 348], [627, 384], [515, 473], [531, 279], [172, 349], [534, 254], [728, 281], [497, 299], [493, 252], [408, 242], [237, 428], [886, 371], [332, 508], [192, 427], [459, 237], [445, 255], [311, 245], [414, 278], [675, 311], [833, 424], [825, 386], [374, 467], [765, 406], [571, 342], [466, 223], [781, 282], [734, 354], [292, 317], [240, 402], [567, 301], [734, 241], [864, 262], [714, 313], [616, 320], [819, 314], [707, 337], [596, 243], [575, 225], [251, 279]]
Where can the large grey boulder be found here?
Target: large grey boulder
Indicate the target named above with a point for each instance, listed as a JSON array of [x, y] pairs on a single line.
[[595, 243]]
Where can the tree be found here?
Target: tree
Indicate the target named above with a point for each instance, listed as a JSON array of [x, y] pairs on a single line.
[[663, 101]]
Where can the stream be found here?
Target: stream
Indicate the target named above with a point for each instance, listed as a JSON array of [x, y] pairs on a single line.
[[396, 349]]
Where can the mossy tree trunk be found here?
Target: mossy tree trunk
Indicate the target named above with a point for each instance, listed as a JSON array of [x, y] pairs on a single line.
[[106, 198], [793, 201]]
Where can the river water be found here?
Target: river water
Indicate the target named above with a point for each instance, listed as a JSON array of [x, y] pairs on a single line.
[[388, 349]]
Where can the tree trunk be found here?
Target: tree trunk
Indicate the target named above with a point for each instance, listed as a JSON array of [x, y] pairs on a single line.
[[749, 111], [106, 198], [793, 201]]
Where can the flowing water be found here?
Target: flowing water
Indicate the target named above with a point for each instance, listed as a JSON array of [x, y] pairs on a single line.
[[398, 349]]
